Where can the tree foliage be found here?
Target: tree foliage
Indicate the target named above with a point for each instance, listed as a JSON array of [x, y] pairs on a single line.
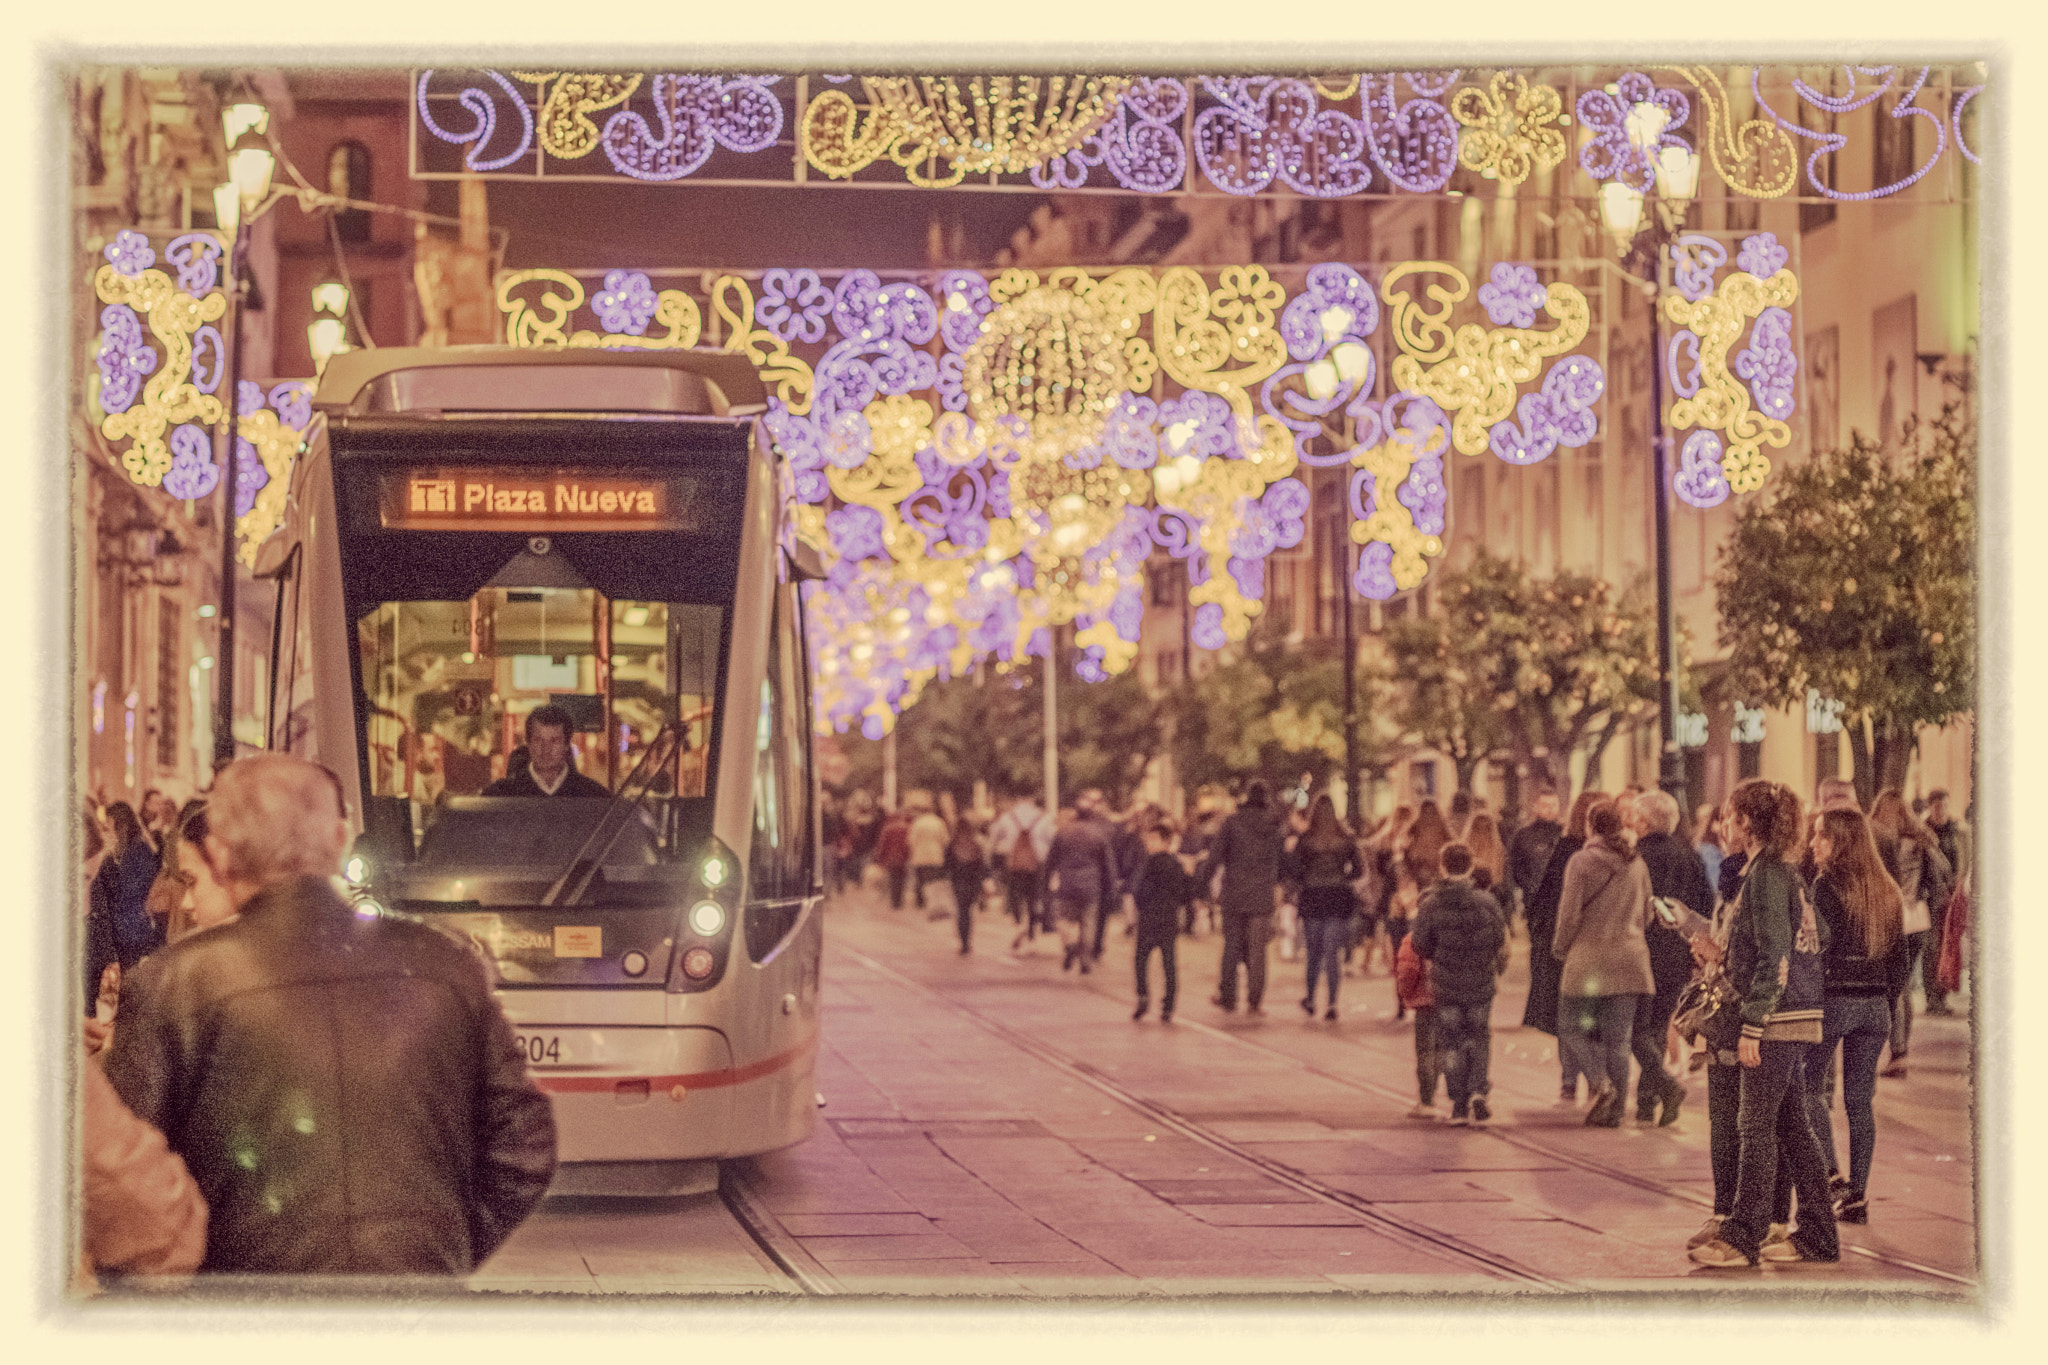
[[1856, 578], [1559, 663]]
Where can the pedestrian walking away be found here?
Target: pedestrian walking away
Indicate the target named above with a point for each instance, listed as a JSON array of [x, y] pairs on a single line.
[[1460, 933], [892, 854], [1539, 914], [322, 1145], [1325, 862], [1412, 988], [1776, 958], [1923, 875], [1676, 873], [1159, 891], [967, 867], [928, 836], [1247, 851], [1601, 917], [1078, 874], [1018, 842]]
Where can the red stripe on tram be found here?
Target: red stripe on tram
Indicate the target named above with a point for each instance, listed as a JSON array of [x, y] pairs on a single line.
[[699, 1080]]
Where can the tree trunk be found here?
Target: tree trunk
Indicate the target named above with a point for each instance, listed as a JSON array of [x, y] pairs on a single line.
[[1862, 774], [1598, 751], [1511, 799], [1465, 767], [1892, 751]]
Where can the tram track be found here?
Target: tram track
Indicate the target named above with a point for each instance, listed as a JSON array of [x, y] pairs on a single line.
[[1404, 1231], [1407, 1230], [758, 1221]]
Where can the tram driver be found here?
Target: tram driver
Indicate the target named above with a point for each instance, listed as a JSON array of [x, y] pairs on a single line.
[[548, 771]]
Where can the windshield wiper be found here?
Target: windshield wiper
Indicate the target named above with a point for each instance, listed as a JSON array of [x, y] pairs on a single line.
[[619, 813]]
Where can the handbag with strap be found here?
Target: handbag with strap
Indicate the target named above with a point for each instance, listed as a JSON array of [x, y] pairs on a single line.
[[1709, 1009]]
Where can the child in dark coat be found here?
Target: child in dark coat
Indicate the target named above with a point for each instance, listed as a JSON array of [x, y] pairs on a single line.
[[1162, 887], [1460, 932]]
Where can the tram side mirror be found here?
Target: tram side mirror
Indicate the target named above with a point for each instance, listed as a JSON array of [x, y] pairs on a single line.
[[386, 839], [805, 560]]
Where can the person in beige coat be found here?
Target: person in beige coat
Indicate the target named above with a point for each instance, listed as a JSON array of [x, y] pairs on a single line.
[[143, 1213], [1601, 915]]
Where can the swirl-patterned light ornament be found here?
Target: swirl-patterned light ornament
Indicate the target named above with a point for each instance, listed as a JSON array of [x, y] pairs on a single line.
[[1903, 107], [972, 494], [1414, 143], [1618, 151], [940, 133], [1754, 158], [1264, 129], [1748, 404], [1512, 126], [483, 104], [1473, 371]]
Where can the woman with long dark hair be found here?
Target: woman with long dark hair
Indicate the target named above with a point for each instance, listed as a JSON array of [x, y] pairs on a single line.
[[1868, 963], [1539, 913], [1326, 862], [1601, 914], [186, 896], [1774, 957]]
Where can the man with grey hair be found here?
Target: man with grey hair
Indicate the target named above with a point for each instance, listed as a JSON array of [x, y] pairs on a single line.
[[343, 1087], [1676, 872], [1835, 793]]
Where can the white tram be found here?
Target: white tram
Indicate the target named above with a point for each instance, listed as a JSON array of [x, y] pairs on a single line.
[[477, 532]]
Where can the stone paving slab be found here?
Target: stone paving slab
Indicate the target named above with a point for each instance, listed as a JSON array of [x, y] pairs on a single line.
[[1307, 1213]]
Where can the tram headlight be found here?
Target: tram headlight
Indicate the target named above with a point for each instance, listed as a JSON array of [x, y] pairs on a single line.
[[707, 917], [714, 871], [356, 869], [697, 963]]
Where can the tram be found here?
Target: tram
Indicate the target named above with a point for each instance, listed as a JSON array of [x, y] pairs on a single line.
[[477, 534]]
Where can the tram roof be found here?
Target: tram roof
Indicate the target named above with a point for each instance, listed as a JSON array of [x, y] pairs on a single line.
[[456, 378]]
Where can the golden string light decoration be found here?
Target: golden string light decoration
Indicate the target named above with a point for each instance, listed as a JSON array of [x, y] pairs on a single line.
[[1512, 126], [1755, 158], [1722, 402], [732, 299], [543, 322], [1390, 523], [1471, 371], [1224, 342], [565, 128], [169, 397], [276, 445], [940, 133]]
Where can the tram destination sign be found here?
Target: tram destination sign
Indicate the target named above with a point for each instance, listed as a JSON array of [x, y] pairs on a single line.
[[516, 498]]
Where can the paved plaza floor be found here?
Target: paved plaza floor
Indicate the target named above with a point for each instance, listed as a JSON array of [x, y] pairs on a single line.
[[995, 1126]]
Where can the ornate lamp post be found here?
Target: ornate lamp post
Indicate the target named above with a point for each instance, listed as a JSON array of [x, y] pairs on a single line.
[[1621, 212], [250, 165]]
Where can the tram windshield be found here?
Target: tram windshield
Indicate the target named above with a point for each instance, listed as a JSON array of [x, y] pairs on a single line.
[[450, 686]]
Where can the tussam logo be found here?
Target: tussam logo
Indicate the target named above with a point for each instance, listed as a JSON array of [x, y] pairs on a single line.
[[516, 940]]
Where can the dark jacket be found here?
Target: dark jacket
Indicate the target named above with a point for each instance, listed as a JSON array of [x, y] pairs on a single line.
[[1676, 873], [345, 1090], [1529, 856], [1248, 849], [1849, 971], [1775, 948], [1540, 913], [1160, 888], [1729, 884], [122, 884], [521, 783], [1325, 873], [1459, 932], [1080, 858]]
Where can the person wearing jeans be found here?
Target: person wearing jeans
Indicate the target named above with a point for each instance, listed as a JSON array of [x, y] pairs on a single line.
[[1774, 956], [1462, 934], [1247, 851], [1326, 863], [1601, 917], [1867, 964]]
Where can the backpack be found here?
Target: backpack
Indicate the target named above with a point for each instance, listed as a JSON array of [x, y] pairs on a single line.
[[1024, 852]]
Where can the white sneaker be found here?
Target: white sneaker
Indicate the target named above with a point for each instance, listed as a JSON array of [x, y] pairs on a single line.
[[1709, 1231]]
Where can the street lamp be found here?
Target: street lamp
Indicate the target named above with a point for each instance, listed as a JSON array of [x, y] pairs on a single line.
[[327, 336], [250, 165], [1675, 170]]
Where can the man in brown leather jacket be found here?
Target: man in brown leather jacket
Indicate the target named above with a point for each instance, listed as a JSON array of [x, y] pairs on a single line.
[[344, 1089]]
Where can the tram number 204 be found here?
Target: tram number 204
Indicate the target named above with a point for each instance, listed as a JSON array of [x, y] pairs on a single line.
[[540, 1048]]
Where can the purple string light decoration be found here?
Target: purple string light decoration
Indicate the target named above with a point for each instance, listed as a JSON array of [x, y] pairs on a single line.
[[794, 305], [210, 361], [1130, 437], [293, 403], [697, 115], [855, 533], [1694, 259], [1902, 107], [1205, 630], [1336, 309], [1198, 424], [1180, 535], [1415, 145], [1512, 295], [124, 359], [483, 106], [865, 310], [626, 302], [1611, 155], [1762, 256], [967, 306], [250, 476], [1145, 153], [1768, 363], [196, 256], [129, 253], [1560, 414], [192, 474], [1955, 118], [1682, 362], [1267, 128], [1700, 480], [1374, 577], [948, 507]]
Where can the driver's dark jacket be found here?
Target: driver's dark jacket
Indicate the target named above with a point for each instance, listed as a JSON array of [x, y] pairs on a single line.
[[344, 1089]]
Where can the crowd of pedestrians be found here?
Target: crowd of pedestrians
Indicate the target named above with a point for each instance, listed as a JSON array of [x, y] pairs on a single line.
[[1774, 953]]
